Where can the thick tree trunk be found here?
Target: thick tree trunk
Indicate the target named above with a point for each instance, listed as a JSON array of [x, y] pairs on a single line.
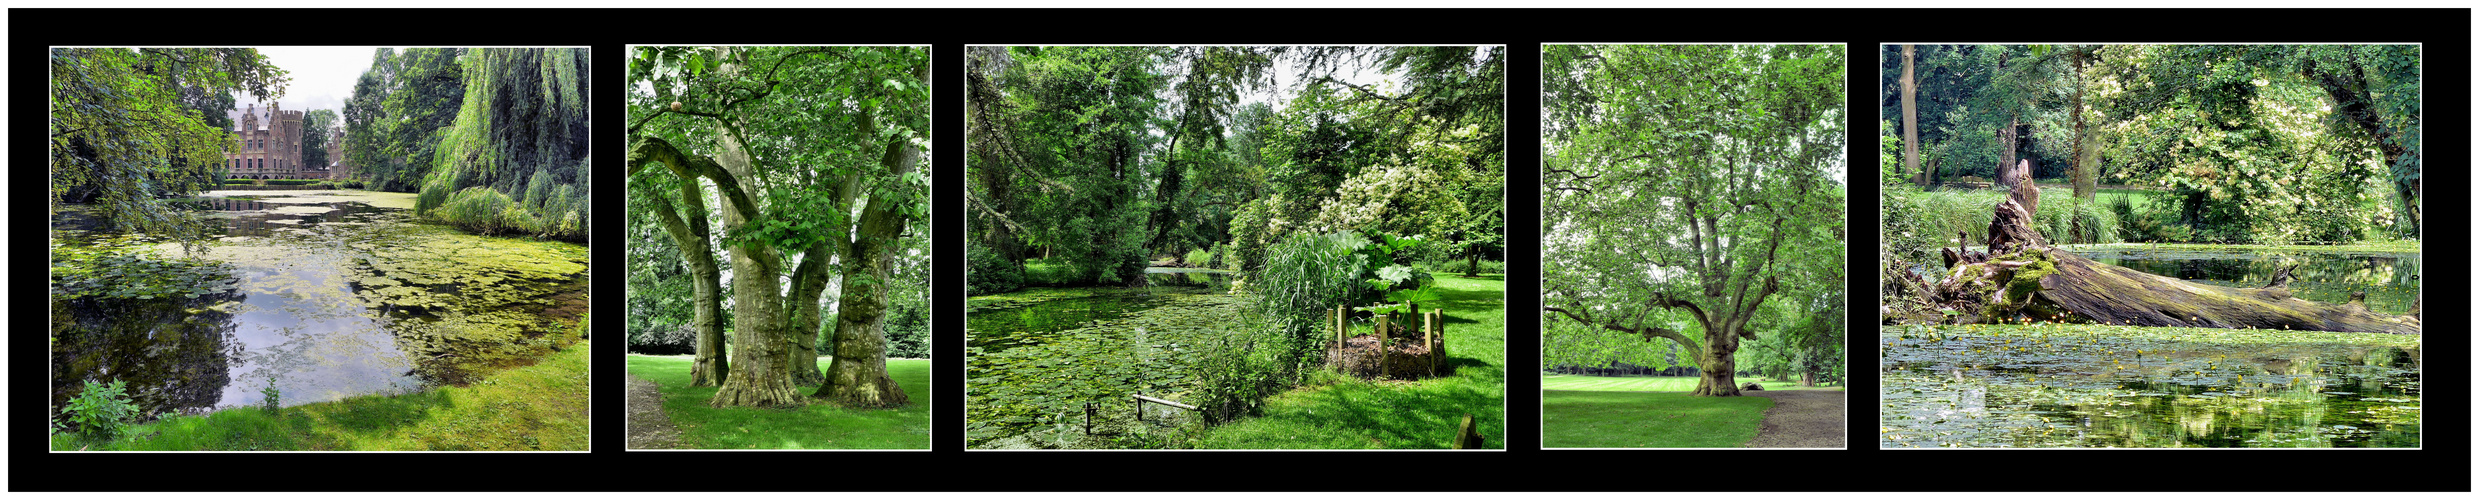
[[760, 373], [762, 362], [2022, 278], [857, 378], [1716, 368]]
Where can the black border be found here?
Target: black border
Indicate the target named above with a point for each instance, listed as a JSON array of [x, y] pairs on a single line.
[[2446, 33]]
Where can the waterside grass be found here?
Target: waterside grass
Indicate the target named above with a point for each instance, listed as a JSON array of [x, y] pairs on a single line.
[[816, 426], [1353, 413], [538, 407]]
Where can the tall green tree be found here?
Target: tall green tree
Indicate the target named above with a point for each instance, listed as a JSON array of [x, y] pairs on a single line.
[[1697, 179], [317, 127], [816, 153], [127, 129], [1061, 154]]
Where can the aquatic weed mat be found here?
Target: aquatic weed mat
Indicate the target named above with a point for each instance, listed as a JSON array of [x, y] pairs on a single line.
[[1038, 391], [2093, 386]]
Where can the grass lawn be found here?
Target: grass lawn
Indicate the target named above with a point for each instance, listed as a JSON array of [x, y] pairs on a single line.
[[1664, 384], [817, 426], [1398, 414], [1609, 419], [538, 407]]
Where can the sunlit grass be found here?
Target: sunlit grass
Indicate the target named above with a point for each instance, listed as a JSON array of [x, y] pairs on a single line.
[[1609, 419], [816, 426], [1398, 414]]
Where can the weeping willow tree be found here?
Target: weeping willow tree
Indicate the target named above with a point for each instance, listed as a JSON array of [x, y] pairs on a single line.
[[515, 161]]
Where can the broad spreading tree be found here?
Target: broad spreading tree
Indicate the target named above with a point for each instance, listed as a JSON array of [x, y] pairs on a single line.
[[1698, 180], [816, 159]]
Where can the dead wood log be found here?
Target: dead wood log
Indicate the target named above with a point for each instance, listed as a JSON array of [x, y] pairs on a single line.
[[2026, 279]]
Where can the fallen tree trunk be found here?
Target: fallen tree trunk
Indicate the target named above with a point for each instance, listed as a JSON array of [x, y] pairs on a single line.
[[2021, 278]]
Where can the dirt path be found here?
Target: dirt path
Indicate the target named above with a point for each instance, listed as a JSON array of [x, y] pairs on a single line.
[[1801, 419], [648, 427]]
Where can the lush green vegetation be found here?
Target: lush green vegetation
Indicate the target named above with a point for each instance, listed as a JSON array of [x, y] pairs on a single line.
[[538, 407], [450, 123], [1606, 419], [1692, 210], [816, 163], [132, 127], [2233, 143], [1346, 180], [704, 426], [1346, 412]]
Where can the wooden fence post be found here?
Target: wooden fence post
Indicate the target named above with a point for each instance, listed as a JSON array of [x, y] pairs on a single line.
[[1428, 337], [1383, 321], [1339, 332]]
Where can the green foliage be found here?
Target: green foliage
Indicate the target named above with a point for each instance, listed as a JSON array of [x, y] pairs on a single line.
[[1684, 187], [272, 400], [520, 110], [1198, 258], [1307, 274], [100, 410], [986, 273], [1236, 372], [2073, 221], [131, 128], [484, 211], [316, 128]]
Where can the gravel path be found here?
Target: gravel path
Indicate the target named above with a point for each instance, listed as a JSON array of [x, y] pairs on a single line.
[[648, 427], [1801, 419]]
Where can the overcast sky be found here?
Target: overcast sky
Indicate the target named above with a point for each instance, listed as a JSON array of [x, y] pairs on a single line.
[[321, 77]]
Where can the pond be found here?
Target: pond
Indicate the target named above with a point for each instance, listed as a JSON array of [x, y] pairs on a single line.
[[2391, 280], [333, 294], [2103, 386], [1034, 357]]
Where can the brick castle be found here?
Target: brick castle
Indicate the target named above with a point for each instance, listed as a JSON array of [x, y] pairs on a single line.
[[270, 148]]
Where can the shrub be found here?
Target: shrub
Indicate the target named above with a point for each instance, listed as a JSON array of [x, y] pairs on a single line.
[[101, 410], [663, 339], [985, 272], [484, 211], [1197, 258], [291, 182], [349, 184], [1235, 373]]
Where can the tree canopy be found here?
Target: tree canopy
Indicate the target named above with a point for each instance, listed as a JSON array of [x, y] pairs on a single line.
[[1103, 157], [816, 159], [130, 127], [1684, 187], [2254, 143]]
